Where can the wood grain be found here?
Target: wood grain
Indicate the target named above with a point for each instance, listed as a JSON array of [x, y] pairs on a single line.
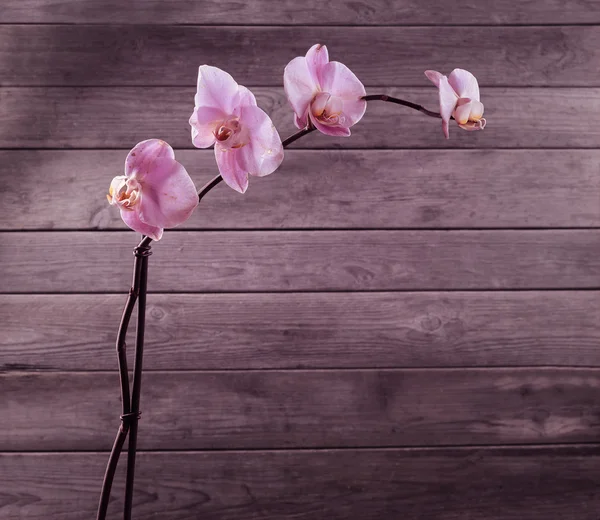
[[121, 117], [307, 330], [325, 408], [521, 483], [325, 189], [309, 12], [244, 261], [144, 55]]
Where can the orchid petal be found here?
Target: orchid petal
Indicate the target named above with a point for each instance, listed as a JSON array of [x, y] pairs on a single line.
[[204, 121], [448, 100], [132, 219], [434, 76], [476, 110], [463, 110], [334, 131], [299, 88], [264, 153], [473, 125], [464, 84], [232, 168], [143, 155], [316, 57], [216, 89], [245, 97], [342, 83], [169, 196]]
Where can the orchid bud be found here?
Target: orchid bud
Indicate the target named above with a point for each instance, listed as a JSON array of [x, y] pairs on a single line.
[[459, 98]]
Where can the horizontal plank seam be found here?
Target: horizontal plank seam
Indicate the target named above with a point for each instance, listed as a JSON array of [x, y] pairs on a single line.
[[285, 25], [304, 229], [329, 149], [280, 85], [442, 447], [313, 291], [6, 369]]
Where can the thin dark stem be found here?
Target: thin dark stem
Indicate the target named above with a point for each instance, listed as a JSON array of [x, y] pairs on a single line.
[[143, 252], [121, 348], [390, 99]]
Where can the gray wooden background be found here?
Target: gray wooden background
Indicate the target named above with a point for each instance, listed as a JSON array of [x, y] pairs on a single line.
[[392, 326]]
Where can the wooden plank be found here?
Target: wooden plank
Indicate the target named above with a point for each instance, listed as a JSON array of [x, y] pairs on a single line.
[[524, 483], [307, 330], [243, 261], [162, 55], [324, 408], [310, 12], [325, 189], [119, 118]]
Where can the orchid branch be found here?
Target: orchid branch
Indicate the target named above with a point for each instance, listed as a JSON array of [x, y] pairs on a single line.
[[397, 101]]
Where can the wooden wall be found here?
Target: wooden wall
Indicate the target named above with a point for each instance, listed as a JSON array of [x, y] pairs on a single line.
[[392, 326]]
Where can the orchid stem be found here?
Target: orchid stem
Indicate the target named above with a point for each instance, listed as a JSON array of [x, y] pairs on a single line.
[[143, 252], [121, 347], [390, 99]]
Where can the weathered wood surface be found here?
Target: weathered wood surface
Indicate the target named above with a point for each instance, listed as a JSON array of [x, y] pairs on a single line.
[[309, 12], [143, 55], [520, 483], [242, 261], [325, 189], [307, 330], [121, 117], [290, 409]]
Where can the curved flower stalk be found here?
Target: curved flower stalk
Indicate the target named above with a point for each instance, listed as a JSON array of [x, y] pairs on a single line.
[[323, 93], [226, 115], [156, 191], [459, 98]]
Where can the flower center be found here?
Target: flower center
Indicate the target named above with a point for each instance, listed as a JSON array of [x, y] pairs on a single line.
[[124, 192], [231, 133], [327, 109]]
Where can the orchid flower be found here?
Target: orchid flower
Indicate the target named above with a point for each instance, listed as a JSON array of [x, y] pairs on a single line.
[[226, 115], [324, 93], [156, 191], [459, 98]]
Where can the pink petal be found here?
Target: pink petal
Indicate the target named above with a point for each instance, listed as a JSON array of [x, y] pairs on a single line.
[[216, 89], [434, 76], [231, 167], [132, 219], [168, 195], [245, 97], [341, 82], [316, 57], [476, 110], [464, 84], [448, 100], [264, 153], [142, 157], [463, 110], [299, 88], [204, 121], [335, 131]]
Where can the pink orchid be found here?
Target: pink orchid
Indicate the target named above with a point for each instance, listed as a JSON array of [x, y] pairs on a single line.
[[459, 98], [246, 141], [326, 93], [156, 191]]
